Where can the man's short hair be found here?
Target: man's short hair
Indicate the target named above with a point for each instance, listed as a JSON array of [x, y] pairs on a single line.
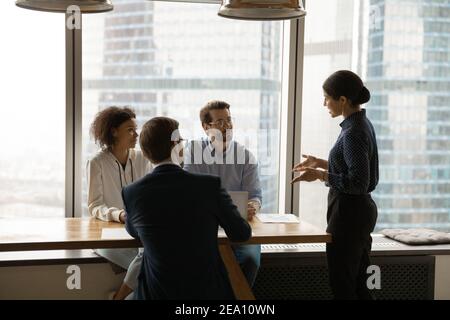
[[156, 138], [205, 117]]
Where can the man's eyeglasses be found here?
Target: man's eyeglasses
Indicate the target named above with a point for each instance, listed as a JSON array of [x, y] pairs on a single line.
[[221, 123], [182, 141]]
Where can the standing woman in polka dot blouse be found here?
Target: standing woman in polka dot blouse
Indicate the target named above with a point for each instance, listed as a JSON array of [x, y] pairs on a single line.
[[351, 173]]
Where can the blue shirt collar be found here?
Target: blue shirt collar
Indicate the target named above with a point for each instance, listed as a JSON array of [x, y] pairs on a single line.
[[350, 120]]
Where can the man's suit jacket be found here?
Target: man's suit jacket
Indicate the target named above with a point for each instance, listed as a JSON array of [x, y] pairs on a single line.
[[176, 215]]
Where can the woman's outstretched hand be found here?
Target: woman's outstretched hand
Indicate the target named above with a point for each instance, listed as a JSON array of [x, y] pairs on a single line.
[[308, 175], [310, 162]]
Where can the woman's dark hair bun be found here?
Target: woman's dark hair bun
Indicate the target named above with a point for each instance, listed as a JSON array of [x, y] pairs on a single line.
[[345, 83], [363, 97]]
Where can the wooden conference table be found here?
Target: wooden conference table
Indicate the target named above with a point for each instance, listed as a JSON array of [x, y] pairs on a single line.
[[86, 233]]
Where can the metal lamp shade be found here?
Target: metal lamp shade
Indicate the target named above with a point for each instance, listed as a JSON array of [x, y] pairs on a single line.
[[262, 9], [86, 6]]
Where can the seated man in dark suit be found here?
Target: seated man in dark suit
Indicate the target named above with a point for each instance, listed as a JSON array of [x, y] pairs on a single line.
[[176, 215]]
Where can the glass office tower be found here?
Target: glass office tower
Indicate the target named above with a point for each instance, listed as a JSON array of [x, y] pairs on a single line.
[[408, 72], [401, 49], [329, 46], [169, 59]]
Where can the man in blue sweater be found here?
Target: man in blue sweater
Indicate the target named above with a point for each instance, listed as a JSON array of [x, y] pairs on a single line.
[[236, 166]]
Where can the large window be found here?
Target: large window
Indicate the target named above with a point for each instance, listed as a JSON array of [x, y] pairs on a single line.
[[169, 59], [401, 50], [32, 160]]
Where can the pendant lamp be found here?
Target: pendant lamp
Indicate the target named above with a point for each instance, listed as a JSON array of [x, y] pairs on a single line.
[[262, 9], [86, 6]]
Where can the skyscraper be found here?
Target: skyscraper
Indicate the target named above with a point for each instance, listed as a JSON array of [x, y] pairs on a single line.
[[167, 64], [401, 49], [329, 46], [408, 72]]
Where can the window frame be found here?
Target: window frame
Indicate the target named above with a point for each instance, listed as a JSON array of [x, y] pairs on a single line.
[[73, 205], [290, 115]]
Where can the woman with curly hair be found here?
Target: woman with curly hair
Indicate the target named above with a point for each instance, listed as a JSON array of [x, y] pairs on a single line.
[[115, 166]]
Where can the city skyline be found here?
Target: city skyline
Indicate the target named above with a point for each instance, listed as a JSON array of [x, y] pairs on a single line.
[[401, 50], [143, 55], [149, 64], [408, 71]]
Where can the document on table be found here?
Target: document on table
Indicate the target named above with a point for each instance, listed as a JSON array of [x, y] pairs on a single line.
[[115, 233], [277, 218]]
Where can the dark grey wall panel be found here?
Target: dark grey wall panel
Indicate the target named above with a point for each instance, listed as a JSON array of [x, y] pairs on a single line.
[[289, 277]]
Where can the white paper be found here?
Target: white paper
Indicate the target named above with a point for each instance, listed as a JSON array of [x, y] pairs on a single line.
[[277, 218], [115, 233], [221, 233]]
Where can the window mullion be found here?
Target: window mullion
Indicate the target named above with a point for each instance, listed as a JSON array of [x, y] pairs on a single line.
[[73, 121]]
